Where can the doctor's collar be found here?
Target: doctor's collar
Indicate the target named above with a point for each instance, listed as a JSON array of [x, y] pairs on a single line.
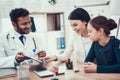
[[18, 34], [13, 33]]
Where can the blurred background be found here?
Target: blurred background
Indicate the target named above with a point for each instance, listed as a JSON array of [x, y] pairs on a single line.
[[50, 18]]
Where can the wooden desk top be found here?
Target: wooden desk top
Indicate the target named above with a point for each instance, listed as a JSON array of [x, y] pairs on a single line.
[[78, 76]]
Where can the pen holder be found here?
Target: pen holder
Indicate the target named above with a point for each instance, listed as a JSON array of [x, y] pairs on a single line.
[[69, 72]]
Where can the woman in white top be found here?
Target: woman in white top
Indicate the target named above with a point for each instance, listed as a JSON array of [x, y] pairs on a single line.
[[79, 43]]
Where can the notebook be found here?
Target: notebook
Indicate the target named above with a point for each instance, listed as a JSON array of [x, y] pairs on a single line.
[[7, 71], [46, 73]]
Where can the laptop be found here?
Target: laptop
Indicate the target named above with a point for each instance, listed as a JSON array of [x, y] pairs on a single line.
[[46, 73]]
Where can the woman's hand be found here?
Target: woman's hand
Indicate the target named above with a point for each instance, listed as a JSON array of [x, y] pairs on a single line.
[[90, 67], [48, 59]]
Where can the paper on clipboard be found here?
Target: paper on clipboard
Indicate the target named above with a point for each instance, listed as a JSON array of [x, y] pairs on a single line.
[[32, 58]]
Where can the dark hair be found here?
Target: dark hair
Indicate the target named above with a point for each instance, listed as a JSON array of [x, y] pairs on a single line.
[[79, 14], [18, 12], [102, 22]]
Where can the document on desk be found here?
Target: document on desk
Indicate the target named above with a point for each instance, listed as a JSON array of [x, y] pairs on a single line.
[[45, 73], [7, 71]]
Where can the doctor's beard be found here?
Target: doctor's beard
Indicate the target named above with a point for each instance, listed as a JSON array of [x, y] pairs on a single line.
[[23, 31]]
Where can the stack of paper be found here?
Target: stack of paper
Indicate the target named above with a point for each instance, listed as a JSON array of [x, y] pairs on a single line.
[[7, 71]]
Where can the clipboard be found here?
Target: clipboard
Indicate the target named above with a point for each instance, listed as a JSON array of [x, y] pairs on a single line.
[[37, 60]]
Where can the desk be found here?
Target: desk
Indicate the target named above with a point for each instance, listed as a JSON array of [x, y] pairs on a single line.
[[78, 76]]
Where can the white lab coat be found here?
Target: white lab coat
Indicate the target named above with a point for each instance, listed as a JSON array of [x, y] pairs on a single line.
[[10, 45], [77, 49]]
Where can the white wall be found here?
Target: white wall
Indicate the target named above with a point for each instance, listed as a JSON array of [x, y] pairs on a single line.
[[5, 25]]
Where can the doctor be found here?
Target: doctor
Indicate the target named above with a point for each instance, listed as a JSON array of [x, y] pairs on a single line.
[[19, 41]]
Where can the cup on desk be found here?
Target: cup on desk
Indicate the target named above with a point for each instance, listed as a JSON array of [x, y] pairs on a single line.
[[23, 72], [69, 74]]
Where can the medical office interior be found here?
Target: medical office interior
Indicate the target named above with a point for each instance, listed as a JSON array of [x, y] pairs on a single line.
[[50, 18]]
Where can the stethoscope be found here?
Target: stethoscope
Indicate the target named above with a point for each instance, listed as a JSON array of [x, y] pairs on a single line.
[[35, 47], [34, 50]]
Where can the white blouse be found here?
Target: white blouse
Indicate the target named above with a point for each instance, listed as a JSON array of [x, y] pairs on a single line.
[[77, 49]]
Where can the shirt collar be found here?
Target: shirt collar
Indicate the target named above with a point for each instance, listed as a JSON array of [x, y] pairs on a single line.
[[13, 33], [18, 34]]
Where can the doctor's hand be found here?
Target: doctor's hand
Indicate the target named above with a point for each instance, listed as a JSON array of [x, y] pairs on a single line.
[[20, 57], [90, 67], [48, 59], [41, 54]]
